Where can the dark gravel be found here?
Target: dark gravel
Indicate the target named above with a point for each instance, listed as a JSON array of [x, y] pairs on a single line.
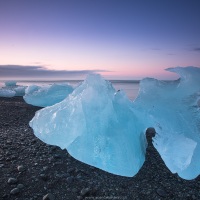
[[30, 169]]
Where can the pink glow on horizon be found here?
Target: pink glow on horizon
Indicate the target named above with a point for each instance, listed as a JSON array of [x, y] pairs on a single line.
[[138, 74]]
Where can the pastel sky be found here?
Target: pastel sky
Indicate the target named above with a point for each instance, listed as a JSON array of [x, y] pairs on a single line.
[[120, 39]]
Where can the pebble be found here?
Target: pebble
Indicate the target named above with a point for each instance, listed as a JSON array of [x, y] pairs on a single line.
[[49, 196], [53, 148], [20, 186], [20, 168], [70, 179], [161, 192], [84, 191], [193, 197], [70, 170], [12, 180], [57, 156], [79, 176], [74, 190], [45, 168], [14, 191], [8, 142], [1, 165], [44, 177], [13, 157], [5, 196]]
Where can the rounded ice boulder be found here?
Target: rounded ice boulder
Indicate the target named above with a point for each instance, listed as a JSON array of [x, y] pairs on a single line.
[[47, 95]]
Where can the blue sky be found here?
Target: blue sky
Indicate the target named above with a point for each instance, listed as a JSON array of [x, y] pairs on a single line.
[[121, 39]]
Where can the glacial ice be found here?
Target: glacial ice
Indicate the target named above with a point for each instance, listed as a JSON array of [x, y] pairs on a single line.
[[7, 93], [19, 90], [47, 95], [10, 83], [11, 89], [97, 125], [172, 109], [101, 127]]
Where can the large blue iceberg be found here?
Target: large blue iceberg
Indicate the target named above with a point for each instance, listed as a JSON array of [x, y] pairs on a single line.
[[47, 95], [172, 108], [101, 127], [97, 125]]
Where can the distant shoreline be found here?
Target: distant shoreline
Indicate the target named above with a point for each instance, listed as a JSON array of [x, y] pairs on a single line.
[[131, 87]]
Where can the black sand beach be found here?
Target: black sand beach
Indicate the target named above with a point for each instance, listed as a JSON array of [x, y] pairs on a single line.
[[30, 169]]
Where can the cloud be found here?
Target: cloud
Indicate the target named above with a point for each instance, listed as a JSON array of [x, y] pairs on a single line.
[[156, 49], [171, 54], [20, 71], [196, 49]]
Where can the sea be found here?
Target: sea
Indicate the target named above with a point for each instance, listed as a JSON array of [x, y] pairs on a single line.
[[130, 87]]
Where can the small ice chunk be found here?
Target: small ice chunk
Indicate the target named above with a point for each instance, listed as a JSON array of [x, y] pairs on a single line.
[[7, 93], [10, 83], [20, 90], [47, 95], [13, 88]]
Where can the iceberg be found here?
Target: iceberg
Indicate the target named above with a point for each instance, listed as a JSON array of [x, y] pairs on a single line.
[[103, 128], [97, 125], [10, 83], [172, 108], [11, 89], [19, 90], [47, 95], [7, 93]]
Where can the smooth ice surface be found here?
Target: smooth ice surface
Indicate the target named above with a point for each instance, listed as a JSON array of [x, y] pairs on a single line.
[[172, 108], [47, 95], [97, 125]]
